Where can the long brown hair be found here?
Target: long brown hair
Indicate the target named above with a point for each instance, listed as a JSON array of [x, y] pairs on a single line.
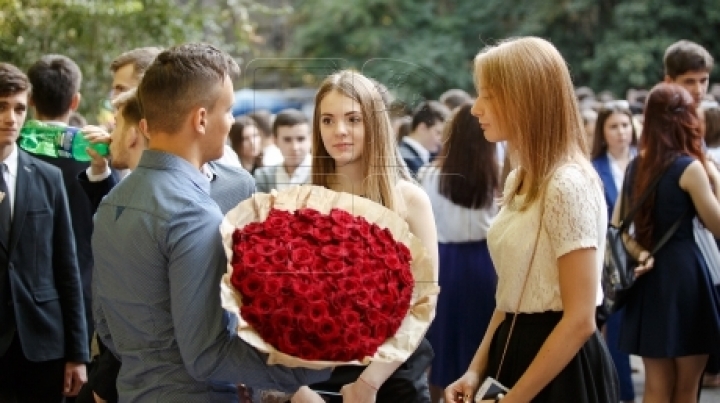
[[671, 129], [599, 146], [469, 165], [381, 162], [534, 99]]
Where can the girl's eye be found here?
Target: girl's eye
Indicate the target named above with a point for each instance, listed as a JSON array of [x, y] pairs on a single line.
[[325, 121], [355, 119]]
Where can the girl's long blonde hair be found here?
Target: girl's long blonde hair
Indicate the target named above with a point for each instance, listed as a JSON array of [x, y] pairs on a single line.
[[534, 100], [382, 167]]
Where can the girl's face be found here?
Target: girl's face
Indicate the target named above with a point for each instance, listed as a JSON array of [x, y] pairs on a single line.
[[484, 110], [618, 133], [251, 142], [342, 128]]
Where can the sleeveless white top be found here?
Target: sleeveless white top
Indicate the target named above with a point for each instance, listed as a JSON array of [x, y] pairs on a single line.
[[455, 223], [575, 217]]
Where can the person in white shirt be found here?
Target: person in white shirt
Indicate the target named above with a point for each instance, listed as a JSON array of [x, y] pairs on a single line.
[[291, 131]]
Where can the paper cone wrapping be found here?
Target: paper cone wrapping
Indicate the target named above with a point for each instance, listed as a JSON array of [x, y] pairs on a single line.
[[422, 306]]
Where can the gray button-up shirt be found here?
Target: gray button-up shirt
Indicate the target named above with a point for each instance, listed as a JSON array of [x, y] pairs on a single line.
[[158, 263]]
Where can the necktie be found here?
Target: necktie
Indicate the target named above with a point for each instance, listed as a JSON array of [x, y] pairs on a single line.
[[4, 207]]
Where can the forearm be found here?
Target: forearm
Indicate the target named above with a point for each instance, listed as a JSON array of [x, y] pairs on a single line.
[[479, 362], [559, 348], [378, 372]]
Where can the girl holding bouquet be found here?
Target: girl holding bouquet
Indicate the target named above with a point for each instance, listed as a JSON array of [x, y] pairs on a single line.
[[354, 151], [546, 242]]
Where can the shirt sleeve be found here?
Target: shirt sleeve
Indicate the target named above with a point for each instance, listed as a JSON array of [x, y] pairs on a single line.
[[572, 210], [205, 332]]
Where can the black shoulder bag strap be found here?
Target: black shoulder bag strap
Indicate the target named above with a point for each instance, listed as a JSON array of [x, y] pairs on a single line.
[[624, 224]]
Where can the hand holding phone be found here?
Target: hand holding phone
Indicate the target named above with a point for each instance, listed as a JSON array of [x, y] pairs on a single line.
[[490, 390]]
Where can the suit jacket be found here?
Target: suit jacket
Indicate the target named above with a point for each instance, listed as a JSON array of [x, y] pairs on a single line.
[[95, 191], [265, 178], [81, 216], [39, 269], [602, 166], [411, 157]]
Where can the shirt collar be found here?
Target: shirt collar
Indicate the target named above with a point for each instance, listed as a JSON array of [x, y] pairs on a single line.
[[161, 160], [208, 171], [11, 162], [422, 151]]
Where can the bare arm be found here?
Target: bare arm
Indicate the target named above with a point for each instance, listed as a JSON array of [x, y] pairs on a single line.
[[702, 185], [578, 287]]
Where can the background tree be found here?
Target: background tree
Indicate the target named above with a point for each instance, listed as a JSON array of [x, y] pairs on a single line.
[[94, 32], [609, 44]]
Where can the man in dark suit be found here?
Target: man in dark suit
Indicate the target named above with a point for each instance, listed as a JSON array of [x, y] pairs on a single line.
[[43, 335], [55, 81], [425, 138]]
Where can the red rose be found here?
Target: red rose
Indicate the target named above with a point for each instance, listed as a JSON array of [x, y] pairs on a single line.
[[333, 252], [250, 286], [336, 267], [342, 218], [307, 214], [341, 232], [252, 259], [322, 234], [328, 330], [271, 286], [302, 256], [322, 222], [318, 310], [253, 228], [280, 257]]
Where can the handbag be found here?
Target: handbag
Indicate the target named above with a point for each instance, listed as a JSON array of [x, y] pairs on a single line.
[[493, 389], [709, 249], [618, 275]]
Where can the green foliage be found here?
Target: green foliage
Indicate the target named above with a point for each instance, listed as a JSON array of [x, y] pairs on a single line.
[[608, 44], [94, 32]]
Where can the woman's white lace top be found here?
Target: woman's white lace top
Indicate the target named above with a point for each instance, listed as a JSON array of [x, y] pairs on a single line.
[[575, 217]]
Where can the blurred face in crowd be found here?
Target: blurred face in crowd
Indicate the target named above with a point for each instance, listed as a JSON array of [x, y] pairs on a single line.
[[250, 142], [342, 128], [124, 79], [433, 136], [618, 133], [696, 82], [294, 143], [13, 110]]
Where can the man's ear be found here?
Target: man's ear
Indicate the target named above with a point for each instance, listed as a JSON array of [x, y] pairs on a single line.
[[75, 102], [131, 138], [199, 120], [668, 79], [143, 127]]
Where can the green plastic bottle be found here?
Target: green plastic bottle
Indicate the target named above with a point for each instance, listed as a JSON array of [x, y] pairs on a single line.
[[57, 141]]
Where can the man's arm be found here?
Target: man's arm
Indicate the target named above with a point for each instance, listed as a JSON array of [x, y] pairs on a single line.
[[96, 191], [205, 332], [67, 282]]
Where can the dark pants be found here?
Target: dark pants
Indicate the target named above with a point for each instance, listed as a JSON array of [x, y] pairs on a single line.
[[26, 381], [621, 360]]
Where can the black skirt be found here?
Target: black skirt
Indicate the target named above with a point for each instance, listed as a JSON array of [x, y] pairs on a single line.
[[408, 384], [590, 376]]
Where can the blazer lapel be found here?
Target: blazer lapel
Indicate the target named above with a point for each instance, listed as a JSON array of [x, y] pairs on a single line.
[[26, 170]]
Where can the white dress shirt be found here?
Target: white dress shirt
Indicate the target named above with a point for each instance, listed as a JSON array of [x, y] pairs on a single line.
[[299, 177], [10, 176]]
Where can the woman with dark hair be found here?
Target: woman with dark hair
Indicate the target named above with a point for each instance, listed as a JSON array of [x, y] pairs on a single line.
[[614, 145], [462, 184], [672, 317], [245, 141]]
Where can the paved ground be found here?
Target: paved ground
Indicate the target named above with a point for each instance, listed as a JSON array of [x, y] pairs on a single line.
[[707, 395]]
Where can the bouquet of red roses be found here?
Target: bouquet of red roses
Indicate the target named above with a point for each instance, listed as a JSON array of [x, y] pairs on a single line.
[[319, 278]]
